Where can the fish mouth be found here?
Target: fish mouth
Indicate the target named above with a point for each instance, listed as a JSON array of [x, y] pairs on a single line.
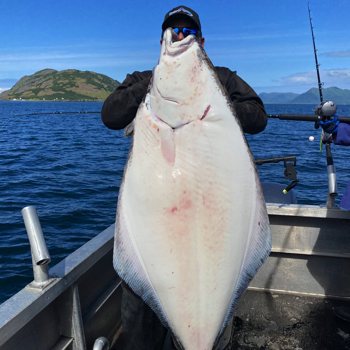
[[173, 127], [174, 45], [159, 120]]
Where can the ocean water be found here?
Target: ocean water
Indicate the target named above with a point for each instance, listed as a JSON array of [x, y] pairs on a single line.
[[70, 167]]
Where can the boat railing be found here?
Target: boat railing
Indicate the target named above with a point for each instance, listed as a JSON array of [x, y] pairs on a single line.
[[67, 312]]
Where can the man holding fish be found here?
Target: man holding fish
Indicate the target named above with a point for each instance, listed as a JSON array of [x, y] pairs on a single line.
[[121, 106], [192, 226]]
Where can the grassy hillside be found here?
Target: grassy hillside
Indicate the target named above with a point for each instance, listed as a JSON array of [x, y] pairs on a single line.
[[339, 96], [67, 85]]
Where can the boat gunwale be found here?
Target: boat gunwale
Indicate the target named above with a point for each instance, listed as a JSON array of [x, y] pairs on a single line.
[[302, 210], [28, 302]]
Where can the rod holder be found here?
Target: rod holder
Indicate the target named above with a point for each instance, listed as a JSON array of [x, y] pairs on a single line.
[[40, 254], [332, 179], [101, 343]]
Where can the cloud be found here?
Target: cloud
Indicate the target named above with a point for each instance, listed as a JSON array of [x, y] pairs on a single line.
[[330, 77], [345, 53]]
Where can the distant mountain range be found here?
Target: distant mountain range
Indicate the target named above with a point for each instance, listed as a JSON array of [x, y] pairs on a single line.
[[67, 85], [339, 96]]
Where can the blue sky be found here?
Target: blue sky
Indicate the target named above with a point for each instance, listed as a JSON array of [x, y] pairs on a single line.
[[268, 42]]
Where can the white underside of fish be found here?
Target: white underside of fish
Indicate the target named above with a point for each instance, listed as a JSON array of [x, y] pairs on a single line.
[[192, 227]]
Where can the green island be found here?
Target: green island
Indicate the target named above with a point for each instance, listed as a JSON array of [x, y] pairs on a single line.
[[337, 95], [65, 85]]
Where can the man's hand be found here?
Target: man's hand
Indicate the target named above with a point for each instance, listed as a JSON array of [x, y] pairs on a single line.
[[330, 126]]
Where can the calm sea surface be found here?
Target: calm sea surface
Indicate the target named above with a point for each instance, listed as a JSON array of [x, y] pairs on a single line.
[[70, 167]]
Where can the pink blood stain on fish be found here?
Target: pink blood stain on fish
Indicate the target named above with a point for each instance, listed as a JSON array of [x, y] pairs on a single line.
[[181, 208], [178, 217]]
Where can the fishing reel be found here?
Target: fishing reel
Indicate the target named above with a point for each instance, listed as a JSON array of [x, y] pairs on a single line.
[[326, 109]]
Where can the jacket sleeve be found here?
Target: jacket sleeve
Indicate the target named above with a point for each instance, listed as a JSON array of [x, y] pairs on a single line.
[[120, 107], [248, 105], [342, 137]]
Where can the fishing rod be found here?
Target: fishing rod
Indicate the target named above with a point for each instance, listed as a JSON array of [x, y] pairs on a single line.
[[326, 110], [57, 112], [306, 117], [315, 52]]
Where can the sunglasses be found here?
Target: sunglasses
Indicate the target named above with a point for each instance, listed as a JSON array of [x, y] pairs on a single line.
[[186, 31]]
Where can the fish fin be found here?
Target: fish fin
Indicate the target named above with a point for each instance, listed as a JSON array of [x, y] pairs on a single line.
[[259, 247], [129, 266], [129, 129]]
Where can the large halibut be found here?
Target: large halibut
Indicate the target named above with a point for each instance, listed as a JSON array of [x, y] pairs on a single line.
[[192, 227]]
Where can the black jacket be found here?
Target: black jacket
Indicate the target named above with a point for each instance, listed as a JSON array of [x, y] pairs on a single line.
[[120, 107]]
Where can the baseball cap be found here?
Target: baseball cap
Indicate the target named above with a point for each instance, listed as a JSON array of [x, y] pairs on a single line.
[[182, 11]]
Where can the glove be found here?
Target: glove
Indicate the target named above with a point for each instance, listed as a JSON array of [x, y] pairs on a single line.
[[330, 126]]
